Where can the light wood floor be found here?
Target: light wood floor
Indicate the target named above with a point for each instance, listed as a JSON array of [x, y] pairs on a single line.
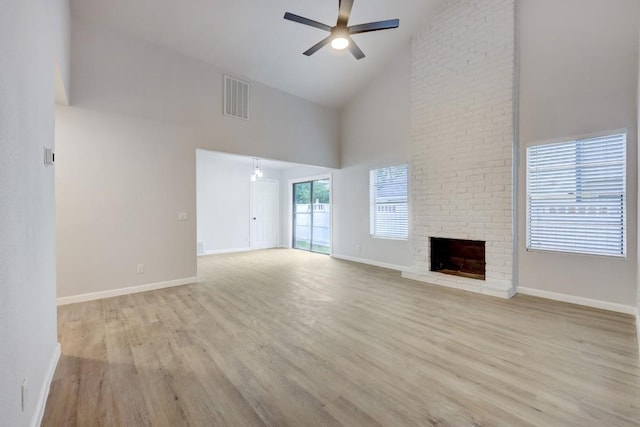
[[284, 337]]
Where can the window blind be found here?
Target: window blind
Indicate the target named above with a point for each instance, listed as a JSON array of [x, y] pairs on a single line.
[[389, 209], [576, 196]]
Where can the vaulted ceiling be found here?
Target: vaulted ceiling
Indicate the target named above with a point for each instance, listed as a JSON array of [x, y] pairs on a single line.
[[250, 38]]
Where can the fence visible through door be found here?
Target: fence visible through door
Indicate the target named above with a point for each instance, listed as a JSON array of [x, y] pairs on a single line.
[[312, 216]]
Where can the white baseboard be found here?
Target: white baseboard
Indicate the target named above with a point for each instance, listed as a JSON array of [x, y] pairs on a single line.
[[370, 262], [36, 420], [125, 291], [494, 288], [225, 251], [604, 305]]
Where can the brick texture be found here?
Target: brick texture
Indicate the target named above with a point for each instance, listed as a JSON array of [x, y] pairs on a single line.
[[462, 132]]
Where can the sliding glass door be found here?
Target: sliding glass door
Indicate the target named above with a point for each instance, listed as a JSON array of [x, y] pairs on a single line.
[[312, 216]]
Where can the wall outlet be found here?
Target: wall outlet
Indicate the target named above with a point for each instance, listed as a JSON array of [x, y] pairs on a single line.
[[183, 216], [24, 395], [140, 269]]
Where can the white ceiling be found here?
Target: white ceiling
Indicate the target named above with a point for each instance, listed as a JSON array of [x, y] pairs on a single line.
[[251, 39]]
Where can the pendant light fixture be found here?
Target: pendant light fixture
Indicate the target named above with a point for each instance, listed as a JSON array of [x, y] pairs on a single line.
[[257, 170]]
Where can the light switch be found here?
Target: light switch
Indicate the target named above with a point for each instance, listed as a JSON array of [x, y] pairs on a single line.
[[48, 157]]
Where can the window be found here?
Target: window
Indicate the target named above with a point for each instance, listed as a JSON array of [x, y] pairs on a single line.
[[576, 196], [388, 202]]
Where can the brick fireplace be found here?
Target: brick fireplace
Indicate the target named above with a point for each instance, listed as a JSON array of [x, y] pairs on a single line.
[[461, 150]]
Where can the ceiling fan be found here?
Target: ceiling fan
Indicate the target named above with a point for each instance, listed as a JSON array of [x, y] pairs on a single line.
[[340, 36]]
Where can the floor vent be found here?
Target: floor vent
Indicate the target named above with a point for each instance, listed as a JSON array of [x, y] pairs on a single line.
[[236, 98]]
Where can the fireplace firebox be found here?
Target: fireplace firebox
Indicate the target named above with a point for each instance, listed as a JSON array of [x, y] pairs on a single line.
[[465, 258]]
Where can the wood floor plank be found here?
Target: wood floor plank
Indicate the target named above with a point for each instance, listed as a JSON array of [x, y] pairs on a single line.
[[290, 338]]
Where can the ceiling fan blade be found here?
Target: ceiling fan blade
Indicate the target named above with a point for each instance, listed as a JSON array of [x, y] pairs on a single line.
[[316, 47], [355, 50], [374, 26], [344, 12], [306, 21]]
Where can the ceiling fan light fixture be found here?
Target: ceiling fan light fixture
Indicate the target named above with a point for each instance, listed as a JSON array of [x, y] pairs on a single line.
[[339, 43], [340, 37]]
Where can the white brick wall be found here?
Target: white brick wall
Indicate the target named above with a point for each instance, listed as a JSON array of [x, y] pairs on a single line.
[[462, 136]]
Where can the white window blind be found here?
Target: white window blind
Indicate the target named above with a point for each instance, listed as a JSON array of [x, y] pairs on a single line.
[[576, 196], [389, 209]]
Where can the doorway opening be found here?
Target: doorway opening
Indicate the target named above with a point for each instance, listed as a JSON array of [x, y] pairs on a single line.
[[312, 215]]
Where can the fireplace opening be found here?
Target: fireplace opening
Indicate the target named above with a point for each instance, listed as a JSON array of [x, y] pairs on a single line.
[[465, 258]]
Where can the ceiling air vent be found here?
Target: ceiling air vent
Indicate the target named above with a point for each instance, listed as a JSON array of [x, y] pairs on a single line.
[[236, 98]]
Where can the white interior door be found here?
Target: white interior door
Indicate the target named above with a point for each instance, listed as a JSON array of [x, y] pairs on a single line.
[[265, 214]]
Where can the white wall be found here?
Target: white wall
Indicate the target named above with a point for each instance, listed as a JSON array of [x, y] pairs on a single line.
[[578, 75], [27, 234], [120, 184], [375, 133], [127, 162], [115, 73], [223, 195], [638, 207]]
